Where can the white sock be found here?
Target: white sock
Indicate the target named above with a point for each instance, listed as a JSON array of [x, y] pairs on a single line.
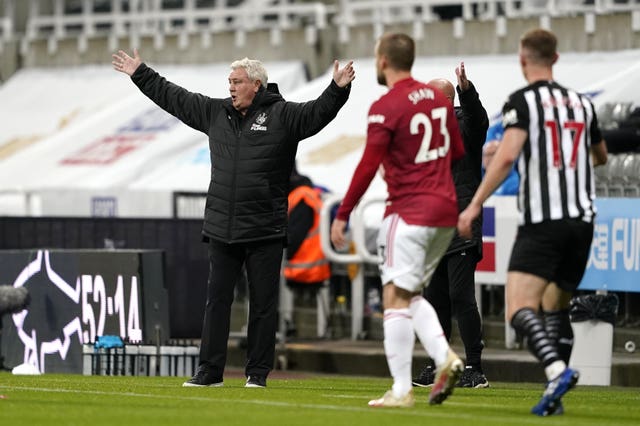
[[555, 369], [428, 328], [398, 347]]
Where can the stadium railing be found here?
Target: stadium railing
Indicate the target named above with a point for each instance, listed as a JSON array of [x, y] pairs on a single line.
[[157, 19], [182, 18], [362, 255], [385, 12]]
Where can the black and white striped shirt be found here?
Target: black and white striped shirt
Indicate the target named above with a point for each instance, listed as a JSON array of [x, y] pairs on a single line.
[[555, 167]]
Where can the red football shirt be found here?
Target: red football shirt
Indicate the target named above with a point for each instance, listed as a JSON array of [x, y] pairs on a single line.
[[413, 135]]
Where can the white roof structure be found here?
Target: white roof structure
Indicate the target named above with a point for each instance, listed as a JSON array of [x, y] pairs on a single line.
[[330, 157], [85, 141], [115, 136]]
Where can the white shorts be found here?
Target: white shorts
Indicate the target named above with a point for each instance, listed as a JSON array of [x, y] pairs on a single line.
[[410, 253]]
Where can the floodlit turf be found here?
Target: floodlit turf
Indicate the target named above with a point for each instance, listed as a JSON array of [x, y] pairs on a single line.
[[309, 400]]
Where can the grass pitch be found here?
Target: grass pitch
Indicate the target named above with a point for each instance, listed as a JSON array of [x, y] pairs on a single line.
[[304, 400]]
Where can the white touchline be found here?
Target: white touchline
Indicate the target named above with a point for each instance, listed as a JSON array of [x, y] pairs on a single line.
[[426, 413]]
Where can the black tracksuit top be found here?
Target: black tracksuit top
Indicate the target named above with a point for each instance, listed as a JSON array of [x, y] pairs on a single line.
[[251, 156], [467, 172]]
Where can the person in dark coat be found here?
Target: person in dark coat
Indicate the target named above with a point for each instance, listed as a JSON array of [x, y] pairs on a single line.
[[452, 288], [253, 138]]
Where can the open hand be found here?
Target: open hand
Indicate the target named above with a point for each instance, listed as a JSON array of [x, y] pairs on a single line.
[[125, 63], [463, 83], [466, 218], [337, 233], [345, 75]]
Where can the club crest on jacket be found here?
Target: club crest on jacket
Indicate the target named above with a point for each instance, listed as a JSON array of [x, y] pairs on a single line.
[[260, 120]]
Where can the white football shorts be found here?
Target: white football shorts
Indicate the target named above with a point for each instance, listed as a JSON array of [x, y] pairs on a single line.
[[410, 253]]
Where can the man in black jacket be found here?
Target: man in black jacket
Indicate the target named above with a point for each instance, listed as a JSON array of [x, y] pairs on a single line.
[[452, 288], [253, 138]]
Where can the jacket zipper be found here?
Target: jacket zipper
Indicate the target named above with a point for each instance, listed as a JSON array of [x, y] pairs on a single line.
[[232, 206]]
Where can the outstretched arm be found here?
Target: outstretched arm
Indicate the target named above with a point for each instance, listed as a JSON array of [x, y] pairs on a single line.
[[474, 116], [599, 153], [461, 74], [308, 118], [378, 139], [193, 109], [125, 63]]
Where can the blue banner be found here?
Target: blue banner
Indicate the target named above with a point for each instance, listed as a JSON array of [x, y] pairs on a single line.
[[614, 262]]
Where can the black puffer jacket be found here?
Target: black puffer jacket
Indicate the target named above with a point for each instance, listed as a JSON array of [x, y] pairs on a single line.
[[467, 172], [251, 155]]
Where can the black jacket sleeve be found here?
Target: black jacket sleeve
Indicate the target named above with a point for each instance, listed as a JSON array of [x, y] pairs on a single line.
[[193, 109], [308, 118], [475, 119], [467, 172]]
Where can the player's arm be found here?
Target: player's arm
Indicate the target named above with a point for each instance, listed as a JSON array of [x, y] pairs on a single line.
[[598, 148], [599, 153], [378, 137], [501, 164], [475, 116]]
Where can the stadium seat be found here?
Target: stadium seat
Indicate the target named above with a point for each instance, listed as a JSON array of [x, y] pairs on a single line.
[[621, 111], [622, 170], [615, 184], [633, 176], [602, 172], [612, 167], [605, 116], [601, 178], [629, 182]]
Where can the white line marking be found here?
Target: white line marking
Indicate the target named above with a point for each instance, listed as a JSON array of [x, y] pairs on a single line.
[[431, 413]]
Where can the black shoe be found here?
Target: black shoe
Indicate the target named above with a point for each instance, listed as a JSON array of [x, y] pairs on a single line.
[[255, 381], [472, 378], [204, 377], [425, 378]]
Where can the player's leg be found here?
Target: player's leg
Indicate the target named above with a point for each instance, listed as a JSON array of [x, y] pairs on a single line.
[[437, 294], [399, 337]]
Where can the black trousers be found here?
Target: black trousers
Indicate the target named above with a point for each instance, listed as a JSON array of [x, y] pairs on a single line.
[[452, 294], [263, 260]]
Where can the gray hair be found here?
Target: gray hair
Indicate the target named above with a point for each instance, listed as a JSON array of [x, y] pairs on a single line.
[[255, 69]]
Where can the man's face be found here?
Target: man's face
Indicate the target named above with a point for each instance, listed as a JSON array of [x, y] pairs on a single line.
[[242, 89]]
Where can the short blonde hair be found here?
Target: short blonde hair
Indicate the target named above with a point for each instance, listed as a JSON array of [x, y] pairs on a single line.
[[540, 45], [254, 68], [399, 49]]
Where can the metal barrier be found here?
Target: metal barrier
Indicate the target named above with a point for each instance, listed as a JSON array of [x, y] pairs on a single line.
[[140, 360], [381, 13], [143, 18], [156, 19], [361, 255]]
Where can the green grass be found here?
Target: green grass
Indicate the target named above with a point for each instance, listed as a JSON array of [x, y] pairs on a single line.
[[308, 400]]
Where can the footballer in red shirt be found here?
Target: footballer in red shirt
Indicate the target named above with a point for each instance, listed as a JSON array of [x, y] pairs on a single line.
[[413, 138]]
